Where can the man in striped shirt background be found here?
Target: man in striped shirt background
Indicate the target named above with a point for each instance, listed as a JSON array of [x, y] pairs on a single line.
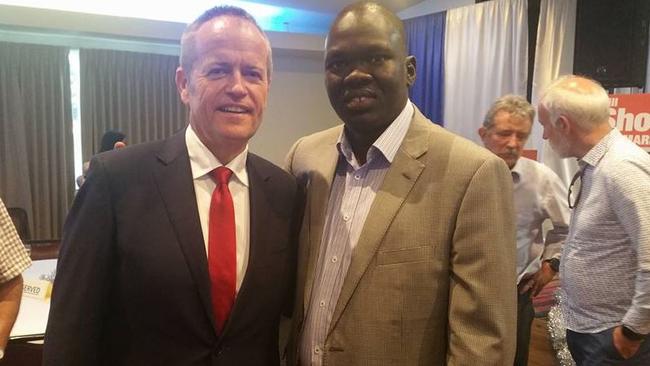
[[605, 268]]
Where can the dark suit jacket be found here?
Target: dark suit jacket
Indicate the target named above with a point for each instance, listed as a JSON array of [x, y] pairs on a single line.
[[132, 285]]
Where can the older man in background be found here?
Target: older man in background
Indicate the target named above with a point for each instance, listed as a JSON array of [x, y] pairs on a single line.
[[605, 268], [539, 195]]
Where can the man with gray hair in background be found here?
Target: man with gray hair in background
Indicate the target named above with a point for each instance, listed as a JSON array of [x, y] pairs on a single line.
[[539, 195], [605, 268]]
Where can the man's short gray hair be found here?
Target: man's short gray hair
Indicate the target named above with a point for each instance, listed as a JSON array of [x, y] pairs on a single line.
[[188, 45], [587, 107], [513, 104]]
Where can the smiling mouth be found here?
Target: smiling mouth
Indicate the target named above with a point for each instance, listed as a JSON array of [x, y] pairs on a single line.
[[234, 109], [358, 99], [360, 102]]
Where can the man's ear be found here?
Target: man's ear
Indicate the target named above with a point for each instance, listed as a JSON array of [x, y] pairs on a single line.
[[182, 85], [482, 132], [563, 124], [410, 70]]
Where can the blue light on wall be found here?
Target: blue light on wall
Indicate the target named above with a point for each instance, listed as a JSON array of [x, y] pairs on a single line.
[[296, 21]]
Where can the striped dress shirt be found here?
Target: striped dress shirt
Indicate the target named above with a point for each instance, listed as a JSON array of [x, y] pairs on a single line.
[[605, 267], [353, 190]]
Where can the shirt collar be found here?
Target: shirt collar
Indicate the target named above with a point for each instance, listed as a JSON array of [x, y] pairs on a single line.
[[516, 171], [388, 142], [203, 161], [598, 151]]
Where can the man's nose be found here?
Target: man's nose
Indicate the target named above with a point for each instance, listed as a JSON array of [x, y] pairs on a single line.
[[358, 75], [513, 141], [236, 89]]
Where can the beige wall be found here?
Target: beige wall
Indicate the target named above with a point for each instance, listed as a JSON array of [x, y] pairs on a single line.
[[297, 106]]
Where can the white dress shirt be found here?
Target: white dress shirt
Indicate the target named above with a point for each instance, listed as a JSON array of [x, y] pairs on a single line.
[[539, 194], [202, 162]]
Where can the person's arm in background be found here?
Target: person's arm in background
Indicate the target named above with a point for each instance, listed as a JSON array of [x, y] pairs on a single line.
[[13, 261], [627, 191], [10, 295], [556, 208]]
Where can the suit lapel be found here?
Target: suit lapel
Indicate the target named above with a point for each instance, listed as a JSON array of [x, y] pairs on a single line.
[[320, 184], [259, 190], [398, 182], [173, 176]]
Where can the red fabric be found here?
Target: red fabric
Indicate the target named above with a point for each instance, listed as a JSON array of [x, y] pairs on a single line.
[[222, 256]]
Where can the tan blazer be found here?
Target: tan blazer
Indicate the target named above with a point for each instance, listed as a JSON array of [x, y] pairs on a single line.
[[432, 278]]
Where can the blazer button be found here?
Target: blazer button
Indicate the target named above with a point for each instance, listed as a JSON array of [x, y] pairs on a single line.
[[219, 351]]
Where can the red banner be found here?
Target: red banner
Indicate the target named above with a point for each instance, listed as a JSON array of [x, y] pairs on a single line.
[[630, 113]]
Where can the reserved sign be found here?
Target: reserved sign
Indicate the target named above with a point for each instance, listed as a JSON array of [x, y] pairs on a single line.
[[39, 289]]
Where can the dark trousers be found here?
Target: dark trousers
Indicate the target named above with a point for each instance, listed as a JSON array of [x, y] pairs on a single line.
[[525, 315], [598, 349]]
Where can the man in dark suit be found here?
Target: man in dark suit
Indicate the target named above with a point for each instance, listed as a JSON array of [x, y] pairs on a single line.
[[180, 252]]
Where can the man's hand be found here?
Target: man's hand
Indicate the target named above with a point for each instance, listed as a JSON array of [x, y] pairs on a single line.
[[625, 347], [10, 295], [537, 281]]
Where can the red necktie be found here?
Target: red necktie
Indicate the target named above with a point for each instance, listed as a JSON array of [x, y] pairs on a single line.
[[222, 255]]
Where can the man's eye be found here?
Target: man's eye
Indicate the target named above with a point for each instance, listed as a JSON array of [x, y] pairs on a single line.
[[377, 59], [337, 65], [253, 74], [217, 72]]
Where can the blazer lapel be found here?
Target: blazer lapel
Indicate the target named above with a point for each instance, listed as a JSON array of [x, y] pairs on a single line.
[[398, 182], [320, 183], [259, 190], [174, 179]]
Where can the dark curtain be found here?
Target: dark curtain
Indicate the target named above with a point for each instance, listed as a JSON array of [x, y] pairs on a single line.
[[426, 41], [132, 92], [36, 162]]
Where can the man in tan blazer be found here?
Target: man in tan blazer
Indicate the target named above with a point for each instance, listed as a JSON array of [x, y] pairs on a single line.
[[408, 245]]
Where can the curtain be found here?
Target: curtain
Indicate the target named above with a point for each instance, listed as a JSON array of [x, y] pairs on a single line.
[[134, 93], [426, 37], [486, 56], [37, 168], [553, 58]]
